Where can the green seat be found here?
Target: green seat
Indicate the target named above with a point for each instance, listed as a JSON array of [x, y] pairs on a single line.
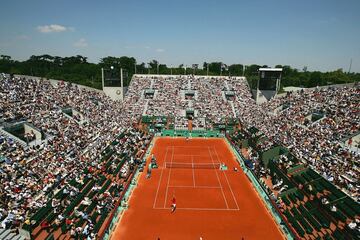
[[321, 219], [310, 218], [50, 237], [285, 200], [297, 227], [345, 209], [338, 215], [306, 226], [63, 227], [353, 205], [338, 235], [295, 212]]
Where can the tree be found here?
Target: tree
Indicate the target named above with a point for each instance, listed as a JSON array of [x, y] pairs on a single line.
[[215, 68], [252, 70], [78, 70], [109, 61], [128, 64], [236, 69], [58, 61], [141, 68], [153, 64], [205, 65], [315, 77], [5, 57]]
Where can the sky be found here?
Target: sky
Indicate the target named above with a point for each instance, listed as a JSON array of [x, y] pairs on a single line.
[[323, 35]]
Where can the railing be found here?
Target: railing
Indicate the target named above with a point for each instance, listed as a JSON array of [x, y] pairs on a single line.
[[193, 133], [269, 202], [107, 228], [305, 162], [117, 204]]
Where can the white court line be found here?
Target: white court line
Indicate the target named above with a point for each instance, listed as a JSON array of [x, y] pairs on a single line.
[[193, 170], [201, 209], [194, 186], [188, 155], [188, 147], [232, 193], [162, 169], [227, 206], [167, 185]]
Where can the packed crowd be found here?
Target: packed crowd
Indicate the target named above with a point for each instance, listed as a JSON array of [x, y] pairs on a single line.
[[317, 141], [321, 142], [135, 101], [31, 175], [209, 101], [286, 120]]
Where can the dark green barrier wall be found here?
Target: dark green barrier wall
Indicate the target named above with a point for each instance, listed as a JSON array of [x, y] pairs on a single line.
[[194, 133], [272, 153]]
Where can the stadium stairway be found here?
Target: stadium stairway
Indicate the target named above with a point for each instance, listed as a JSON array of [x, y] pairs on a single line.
[[233, 109], [303, 208], [190, 126], [226, 85], [311, 219], [104, 178], [145, 107], [6, 234]]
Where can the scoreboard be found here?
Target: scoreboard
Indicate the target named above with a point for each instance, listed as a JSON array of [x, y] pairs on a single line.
[[112, 83], [269, 78], [112, 78]]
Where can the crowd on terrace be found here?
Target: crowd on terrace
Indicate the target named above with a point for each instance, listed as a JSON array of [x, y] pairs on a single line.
[[170, 96], [286, 120], [30, 176], [316, 125], [322, 141]]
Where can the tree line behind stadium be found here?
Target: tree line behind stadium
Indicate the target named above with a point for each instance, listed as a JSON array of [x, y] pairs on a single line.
[[78, 70]]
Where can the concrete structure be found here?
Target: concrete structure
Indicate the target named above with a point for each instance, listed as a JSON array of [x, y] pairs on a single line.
[[116, 93], [31, 129], [268, 84]]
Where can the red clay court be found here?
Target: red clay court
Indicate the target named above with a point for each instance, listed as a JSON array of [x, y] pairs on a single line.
[[211, 203]]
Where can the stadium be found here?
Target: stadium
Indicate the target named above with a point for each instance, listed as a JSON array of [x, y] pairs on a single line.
[[193, 126], [76, 165]]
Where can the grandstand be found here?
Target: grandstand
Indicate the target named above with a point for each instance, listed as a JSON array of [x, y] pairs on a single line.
[[71, 160]]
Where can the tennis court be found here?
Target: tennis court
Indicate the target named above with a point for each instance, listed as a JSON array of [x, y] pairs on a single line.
[[198, 175], [211, 203]]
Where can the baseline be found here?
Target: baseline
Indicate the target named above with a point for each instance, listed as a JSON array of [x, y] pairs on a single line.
[[162, 170], [222, 190], [232, 193]]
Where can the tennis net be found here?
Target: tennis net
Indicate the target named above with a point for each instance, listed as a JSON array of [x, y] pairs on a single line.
[[192, 165]]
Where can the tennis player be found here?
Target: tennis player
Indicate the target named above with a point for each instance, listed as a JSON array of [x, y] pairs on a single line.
[[173, 204], [148, 175]]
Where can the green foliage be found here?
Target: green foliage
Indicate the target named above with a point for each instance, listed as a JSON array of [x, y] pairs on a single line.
[[292, 77], [153, 64], [78, 70], [252, 70], [236, 69], [141, 68], [215, 67]]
